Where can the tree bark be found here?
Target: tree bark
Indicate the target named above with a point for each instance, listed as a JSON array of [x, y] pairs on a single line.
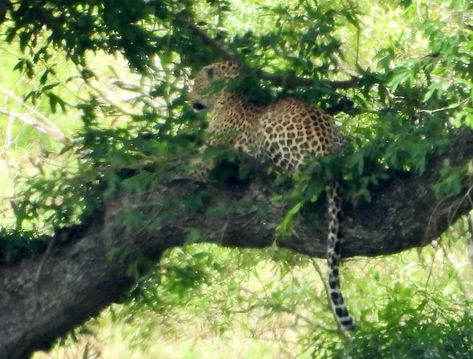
[[43, 297]]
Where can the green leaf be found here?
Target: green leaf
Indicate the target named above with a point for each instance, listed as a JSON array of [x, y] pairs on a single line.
[[285, 228], [55, 100]]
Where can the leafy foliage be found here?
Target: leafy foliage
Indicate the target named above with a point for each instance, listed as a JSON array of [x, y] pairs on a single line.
[[406, 331]]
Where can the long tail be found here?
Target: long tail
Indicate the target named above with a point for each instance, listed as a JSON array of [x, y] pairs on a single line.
[[339, 309]]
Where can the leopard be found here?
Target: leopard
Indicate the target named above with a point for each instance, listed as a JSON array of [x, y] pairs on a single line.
[[288, 131]]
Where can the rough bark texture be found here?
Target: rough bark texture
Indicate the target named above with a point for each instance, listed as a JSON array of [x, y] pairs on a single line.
[[42, 298]]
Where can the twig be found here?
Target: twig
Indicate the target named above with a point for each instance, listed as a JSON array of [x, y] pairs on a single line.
[[43, 259], [327, 291], [469, 241], [457, 277], [295, 81], [8, 132], [322, 277], [31, 109], [436, 246], [452, 107], [107, 98], [223, 230], [44, 128]]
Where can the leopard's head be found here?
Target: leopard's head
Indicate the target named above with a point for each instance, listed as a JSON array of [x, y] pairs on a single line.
[[202, 95]]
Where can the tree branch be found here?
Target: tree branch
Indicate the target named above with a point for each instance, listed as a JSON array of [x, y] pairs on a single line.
[[206, 39], [54, 132], [42, 298], [278, 80], [44, 125]]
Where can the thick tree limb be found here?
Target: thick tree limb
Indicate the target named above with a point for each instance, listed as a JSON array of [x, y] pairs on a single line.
[[42, 298]]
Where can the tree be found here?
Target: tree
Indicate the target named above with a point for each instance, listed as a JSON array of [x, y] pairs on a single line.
[[83, 234]]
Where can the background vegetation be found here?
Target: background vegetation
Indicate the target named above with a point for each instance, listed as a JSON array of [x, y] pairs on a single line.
[[93, 104]]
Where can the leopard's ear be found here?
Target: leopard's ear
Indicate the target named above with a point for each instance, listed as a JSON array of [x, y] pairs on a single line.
[[210, 73]]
